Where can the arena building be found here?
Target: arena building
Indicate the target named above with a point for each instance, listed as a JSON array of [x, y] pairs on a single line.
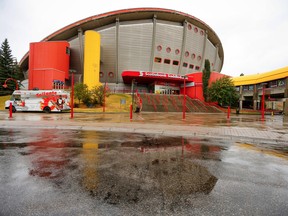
[[153, 47]]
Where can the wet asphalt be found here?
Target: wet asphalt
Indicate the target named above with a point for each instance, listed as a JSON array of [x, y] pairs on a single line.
[[154, 164]]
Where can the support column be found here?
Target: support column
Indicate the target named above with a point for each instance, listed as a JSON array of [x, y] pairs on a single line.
[[81, 49], [240, 98], [216, 54], [183, 47], [117, 50], [204, 49], [286, 88], [153, 43]]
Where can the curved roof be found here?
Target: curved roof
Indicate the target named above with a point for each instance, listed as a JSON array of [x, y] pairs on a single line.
[[126, 15], [261, 78]]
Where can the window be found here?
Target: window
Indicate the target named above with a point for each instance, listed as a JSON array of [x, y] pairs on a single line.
[[237, 88], [168, 49], [101, 74], [272, 84], [67, 50], [111, 74], [199, 58], [245, 88], [250, 87], [157, 59], [167, 61], [159, 48], [281, 82], [189, 26], [193, 56], [187, 54], [195, 29], [201, 32], [191, 66], [175, 62], [177, 51], [197, 68], [185, 64]]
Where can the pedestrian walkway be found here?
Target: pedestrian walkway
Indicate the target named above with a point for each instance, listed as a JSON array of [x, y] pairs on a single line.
[[241, 128]]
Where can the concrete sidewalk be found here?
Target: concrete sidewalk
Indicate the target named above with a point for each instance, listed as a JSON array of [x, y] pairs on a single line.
[[241, 128]]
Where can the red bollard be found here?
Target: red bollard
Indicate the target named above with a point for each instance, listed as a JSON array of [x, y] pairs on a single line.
[[10, 110], [131, 110], [228, 112]]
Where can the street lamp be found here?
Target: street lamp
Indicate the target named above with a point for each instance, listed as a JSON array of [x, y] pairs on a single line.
[[263, 101], [72, 93]]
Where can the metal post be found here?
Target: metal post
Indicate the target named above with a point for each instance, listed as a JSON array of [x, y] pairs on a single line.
[[133, 81], [10, 110], [263, 102], [104, 95], [228, 112], [131, 111], [72, 96], [184, 99]]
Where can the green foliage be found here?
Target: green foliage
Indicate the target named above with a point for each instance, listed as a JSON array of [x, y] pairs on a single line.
[[9, 67], [97, 94], [223, 91], [90, 97], [205, 78], [81, 92]]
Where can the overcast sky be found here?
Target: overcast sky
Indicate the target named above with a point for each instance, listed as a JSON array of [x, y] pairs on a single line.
[[254, 33]]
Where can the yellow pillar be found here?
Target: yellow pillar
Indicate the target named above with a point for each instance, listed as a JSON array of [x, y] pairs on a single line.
[[91, 59]]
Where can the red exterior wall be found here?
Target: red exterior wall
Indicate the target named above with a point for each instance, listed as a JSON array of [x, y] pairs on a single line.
[[196, 91], [48, 61]]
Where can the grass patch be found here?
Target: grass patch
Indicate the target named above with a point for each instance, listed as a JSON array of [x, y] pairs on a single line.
[[113, 104], [2, 101]]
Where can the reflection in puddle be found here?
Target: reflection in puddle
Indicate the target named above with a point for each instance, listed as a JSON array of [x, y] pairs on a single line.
[[120, 168]]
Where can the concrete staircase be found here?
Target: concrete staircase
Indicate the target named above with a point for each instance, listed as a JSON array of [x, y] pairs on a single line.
[[174, 103]]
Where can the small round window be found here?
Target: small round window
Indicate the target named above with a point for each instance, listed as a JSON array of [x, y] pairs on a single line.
[[168, 49], [111, 74], [101, 74], [189, 26], [199, 58], [159, 48], [195, 29], [187, 54], [177, 51], [193, 56], [201, 32]]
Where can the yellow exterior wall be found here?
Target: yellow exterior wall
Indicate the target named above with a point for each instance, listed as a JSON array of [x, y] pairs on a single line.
[[91, 59], [261, 78]]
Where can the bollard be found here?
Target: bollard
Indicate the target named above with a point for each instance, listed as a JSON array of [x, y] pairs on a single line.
[[10, 110], [131, 110], [228, 113]]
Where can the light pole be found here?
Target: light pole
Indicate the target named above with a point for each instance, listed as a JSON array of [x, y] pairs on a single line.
[[72, 94], [263, 102], [184, 99]]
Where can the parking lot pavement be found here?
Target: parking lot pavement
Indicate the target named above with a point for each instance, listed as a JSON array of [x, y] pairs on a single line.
[[238, 127]]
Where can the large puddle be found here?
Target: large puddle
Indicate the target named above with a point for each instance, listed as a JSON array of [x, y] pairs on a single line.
[[149, 172]]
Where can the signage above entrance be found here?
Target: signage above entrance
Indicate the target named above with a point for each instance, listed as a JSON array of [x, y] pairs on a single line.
[[150, 77]]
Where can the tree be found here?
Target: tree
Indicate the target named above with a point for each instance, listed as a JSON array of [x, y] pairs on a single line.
[[205, 78], [97, 94], [242, 74], [9, 67], [223, 91], [81, 92]]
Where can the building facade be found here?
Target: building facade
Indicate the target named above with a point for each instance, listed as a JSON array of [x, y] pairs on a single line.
[[142, 39]]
